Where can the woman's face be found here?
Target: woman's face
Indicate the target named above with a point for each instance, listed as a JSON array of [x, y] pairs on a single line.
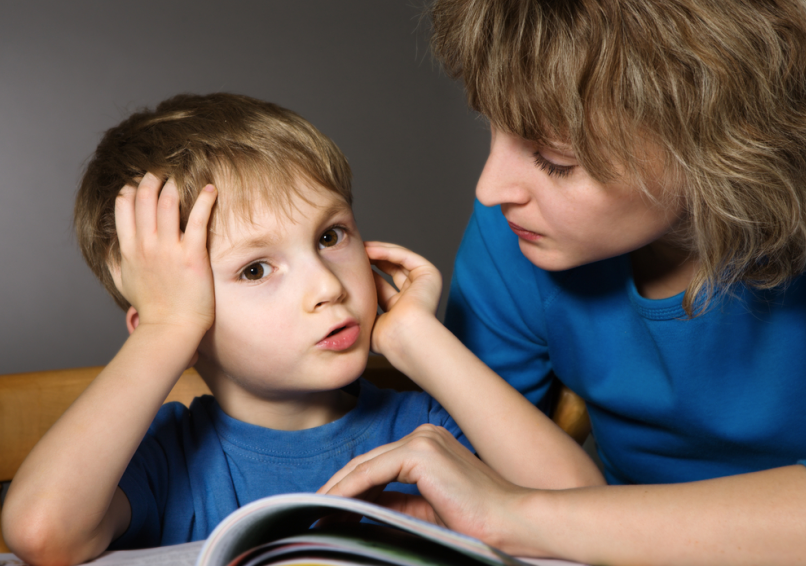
[[562, 216]]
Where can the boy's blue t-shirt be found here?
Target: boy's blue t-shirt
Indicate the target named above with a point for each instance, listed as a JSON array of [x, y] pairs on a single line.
[[671, 399], [197, 465]]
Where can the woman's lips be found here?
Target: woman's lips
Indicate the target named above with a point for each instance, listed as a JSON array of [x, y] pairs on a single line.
[[341, 339], [524, 233]]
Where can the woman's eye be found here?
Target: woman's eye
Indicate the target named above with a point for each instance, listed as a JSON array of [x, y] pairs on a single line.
[[551, 168], [256, 271], [331, 237]]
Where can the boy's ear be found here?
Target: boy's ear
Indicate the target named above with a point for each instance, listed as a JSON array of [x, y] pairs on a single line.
[[132, 319]]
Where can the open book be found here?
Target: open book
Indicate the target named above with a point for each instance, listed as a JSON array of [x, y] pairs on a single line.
[[283, 522], [276, 531]]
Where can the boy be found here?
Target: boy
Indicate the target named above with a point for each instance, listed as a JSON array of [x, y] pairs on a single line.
[[271, 296]]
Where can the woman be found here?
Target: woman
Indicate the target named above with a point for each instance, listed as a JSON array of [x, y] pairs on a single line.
[[640, 234]]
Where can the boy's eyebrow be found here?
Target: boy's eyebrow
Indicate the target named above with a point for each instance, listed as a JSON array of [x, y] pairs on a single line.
[[257, 242], [264, 241], [335, 208]]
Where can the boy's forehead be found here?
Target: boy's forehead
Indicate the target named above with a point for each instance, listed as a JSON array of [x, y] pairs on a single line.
[[242, 194], [263, 224]]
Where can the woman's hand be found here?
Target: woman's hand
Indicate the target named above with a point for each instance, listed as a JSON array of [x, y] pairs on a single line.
[[165, 274], [418, 283], [754, 518], [458, 490]]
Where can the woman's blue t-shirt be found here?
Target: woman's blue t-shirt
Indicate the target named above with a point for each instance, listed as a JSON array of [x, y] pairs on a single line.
[[671, 399]]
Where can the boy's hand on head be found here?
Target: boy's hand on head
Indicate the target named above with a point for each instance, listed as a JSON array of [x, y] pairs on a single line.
[[418, 283], [165, 274]]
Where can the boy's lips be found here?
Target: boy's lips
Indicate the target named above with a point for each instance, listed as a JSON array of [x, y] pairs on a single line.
[[340, 337], [524, 233]]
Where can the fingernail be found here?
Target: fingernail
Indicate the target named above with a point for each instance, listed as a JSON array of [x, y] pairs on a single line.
[[209, 188]]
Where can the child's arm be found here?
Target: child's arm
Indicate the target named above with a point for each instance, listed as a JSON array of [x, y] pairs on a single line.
[[509, 433], [64, 506]]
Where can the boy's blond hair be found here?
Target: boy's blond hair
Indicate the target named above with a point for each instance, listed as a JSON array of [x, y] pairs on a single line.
[[254, 152], [718, 87]]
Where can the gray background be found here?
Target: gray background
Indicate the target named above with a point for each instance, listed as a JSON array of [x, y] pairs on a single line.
[[360, 70]]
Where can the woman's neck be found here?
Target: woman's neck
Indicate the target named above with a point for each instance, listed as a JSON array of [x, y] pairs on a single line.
[[661, 270]]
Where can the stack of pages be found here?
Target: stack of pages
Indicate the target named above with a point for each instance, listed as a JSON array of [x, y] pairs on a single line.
[[277, 531]]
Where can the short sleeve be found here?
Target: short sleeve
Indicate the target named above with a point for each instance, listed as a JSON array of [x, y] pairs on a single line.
[[145, 481], [438, 416], [495, 306]]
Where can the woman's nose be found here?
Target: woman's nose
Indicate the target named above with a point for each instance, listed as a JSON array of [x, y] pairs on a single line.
[[504, 179]]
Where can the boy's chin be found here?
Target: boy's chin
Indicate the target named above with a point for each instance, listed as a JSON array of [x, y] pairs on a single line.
[[349, 369]]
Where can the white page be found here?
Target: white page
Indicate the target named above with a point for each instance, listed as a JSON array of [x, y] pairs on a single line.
[[185, 555], [548, 562], [177, 555]]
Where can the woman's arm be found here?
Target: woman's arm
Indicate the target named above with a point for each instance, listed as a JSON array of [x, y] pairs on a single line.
[[508, 432], [757, 518]]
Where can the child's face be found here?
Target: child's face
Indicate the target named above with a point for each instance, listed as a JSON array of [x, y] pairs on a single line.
[[567, 220], [295, 299]]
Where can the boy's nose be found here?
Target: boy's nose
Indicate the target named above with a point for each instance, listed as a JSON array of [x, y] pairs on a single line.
[[323, 287], [503, 180]]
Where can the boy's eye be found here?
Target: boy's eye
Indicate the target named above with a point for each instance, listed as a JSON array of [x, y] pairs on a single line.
[[331, 237], [256, 271]]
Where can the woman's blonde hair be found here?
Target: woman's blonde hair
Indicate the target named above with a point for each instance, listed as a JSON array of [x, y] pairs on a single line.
[[719, 87], [254, 152]]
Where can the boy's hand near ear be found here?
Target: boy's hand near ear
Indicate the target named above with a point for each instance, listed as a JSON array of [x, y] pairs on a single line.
[[416, 297], [65, 505], [509, 434]]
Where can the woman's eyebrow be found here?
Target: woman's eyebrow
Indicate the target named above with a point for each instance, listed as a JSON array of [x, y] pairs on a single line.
[[558, 145]]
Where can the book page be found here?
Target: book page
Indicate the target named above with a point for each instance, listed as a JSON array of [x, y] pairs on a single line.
[[285, 515], [548, 562], [280, 516], [177, 555], [186, 554]]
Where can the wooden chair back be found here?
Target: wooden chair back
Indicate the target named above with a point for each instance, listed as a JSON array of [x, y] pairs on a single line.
[[31, 402]]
